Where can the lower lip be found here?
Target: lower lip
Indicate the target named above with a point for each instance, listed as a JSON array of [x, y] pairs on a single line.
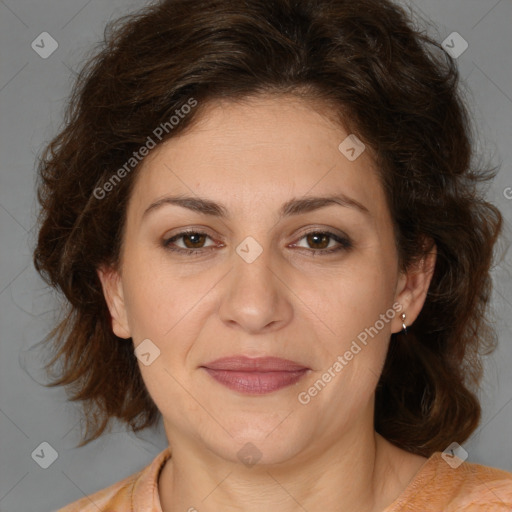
[[256, 383]]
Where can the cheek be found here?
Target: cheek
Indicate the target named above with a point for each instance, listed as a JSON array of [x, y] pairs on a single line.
[[356, 348], [353, 299], [147, 308], [160, 301], [152, 300]]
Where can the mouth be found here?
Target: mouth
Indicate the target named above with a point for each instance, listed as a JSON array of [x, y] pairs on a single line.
[[255, 376]]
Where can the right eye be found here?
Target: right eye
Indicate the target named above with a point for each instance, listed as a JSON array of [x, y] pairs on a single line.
[[192, 242]]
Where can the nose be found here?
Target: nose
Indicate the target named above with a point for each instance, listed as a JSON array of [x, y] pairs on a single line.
[[255, 296]]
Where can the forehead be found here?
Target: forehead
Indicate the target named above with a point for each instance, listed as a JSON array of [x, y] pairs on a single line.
[[259, 151]]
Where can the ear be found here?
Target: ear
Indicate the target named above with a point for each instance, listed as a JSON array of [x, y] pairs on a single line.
[[113, 292], [412, 288]]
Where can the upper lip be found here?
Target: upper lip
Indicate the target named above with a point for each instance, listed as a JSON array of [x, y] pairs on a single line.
[[254, 364]]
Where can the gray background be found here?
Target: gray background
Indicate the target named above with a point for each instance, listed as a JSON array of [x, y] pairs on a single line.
[[32, 95]]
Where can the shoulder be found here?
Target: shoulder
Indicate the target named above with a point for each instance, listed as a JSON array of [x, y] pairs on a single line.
[[466, 487], [136, 492], [117, 495], [481, 486]]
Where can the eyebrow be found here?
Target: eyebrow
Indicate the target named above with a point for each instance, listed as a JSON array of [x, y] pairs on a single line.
[[293, 207]]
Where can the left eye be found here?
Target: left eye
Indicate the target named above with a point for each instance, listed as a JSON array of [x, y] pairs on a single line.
[[321, 240]]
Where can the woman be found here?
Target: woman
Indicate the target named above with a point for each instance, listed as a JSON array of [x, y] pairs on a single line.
[[266, 221]]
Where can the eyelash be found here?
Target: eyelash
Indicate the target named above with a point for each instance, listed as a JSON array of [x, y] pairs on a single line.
[[344, 243]]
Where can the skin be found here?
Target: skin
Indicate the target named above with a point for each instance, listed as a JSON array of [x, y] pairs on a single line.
[[292, 302]]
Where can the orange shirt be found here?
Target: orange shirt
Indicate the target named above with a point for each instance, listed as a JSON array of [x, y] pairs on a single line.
[[436, 487]]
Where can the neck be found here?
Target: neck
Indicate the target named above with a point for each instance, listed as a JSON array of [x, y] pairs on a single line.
[[360, 472]]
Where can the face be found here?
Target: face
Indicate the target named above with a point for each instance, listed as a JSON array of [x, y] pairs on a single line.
[[288, 253]]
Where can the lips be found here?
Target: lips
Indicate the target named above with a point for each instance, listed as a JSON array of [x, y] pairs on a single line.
[[255, 375]]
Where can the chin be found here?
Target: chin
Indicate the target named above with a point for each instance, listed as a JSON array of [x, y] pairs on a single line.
[[256, 446]]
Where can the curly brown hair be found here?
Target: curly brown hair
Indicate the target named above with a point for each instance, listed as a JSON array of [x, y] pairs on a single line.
[[384, 78]]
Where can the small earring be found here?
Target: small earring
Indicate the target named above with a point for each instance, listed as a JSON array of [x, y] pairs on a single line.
[[404, 327]]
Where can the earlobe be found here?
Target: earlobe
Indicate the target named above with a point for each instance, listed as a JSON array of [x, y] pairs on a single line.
[[412, 289], [114, 297]]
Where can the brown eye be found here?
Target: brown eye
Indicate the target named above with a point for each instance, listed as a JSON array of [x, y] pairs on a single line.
[[189, 242], [318, 240], [323, 242], [194, 240]]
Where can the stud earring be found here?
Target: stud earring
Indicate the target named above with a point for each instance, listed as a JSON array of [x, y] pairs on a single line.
[[404, 327]]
